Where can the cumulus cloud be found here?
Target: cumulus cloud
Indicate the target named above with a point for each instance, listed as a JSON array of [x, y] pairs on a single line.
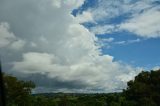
[[70, 54], [73, 3], [93, 73], [56, 3]]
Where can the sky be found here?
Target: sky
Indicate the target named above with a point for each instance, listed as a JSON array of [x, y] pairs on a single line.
[[91, 46]]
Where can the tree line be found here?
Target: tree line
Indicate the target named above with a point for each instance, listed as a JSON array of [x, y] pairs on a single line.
[[144, 90]]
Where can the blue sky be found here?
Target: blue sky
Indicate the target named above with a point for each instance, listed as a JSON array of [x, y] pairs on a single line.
[[79, 45], [143, 53]]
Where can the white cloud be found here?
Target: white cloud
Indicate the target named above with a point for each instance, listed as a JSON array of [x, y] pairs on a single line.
[[56, 3], [17, 45], [103, 29], [86, 16], [142, 17], [97, 72], [107, 9], [68, 4], [128, 41], [73, 3], [156, 68], [6, 37], [146, 24], [32, 62], [120, 42], [108, 39], [134, 41], [105, 42]]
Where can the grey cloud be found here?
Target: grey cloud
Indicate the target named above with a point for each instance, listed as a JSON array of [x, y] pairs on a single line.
[[42, 80]]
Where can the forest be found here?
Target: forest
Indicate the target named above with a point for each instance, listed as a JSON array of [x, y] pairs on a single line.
[[144, 90]]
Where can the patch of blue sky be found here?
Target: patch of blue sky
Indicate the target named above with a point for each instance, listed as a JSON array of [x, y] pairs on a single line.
[[119, 36], [156, 2], [119, 19], [113, 21], [87, 4], [144, 53], [88, 25]]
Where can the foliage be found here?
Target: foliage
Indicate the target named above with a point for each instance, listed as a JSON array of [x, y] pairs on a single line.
[[145, 89], [17, 92]]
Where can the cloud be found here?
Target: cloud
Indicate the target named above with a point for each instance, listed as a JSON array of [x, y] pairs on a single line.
[[56, 3], [156, 68], [120, 42], [6, 37], [70, 54], [94, 73], [105, 42], [43, 39], [146, 24], [86, 16], [17, 45], [74, 3], [33, 44], [108, 39], [128, 41], [71, 4], [141, 17], [103, 29], [134, 40], [106, 9]]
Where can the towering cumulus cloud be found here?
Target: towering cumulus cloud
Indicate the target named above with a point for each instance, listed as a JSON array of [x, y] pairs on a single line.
[[59, 49]]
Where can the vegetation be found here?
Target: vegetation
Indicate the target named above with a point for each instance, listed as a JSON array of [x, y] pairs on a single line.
[[17, 92], [144, 90]]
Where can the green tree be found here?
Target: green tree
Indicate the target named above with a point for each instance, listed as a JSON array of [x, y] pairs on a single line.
[[18, 92], [145, 89]]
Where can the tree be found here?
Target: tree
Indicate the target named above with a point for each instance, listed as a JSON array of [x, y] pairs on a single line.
[[17, 92], [145, 89]]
